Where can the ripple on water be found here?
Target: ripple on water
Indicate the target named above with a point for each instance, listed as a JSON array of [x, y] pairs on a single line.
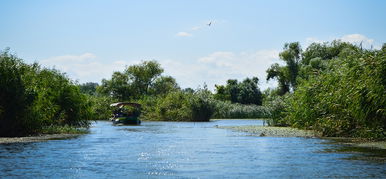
[[182, 150]]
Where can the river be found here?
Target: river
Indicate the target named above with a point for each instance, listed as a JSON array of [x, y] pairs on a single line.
[[182, 150]]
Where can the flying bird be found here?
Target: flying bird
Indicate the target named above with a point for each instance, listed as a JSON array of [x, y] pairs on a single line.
[[210, 23]]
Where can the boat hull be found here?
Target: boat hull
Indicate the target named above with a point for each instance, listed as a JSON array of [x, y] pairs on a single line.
[[127, 120]]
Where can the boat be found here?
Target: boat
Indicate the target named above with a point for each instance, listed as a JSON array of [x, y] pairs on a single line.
[[126, 113]]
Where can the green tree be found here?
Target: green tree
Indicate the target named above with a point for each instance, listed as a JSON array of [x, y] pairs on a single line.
[[143, 75], [249, 92], [245, 92], [88, 88], [281, 75], [291, 55], [163, 85], [287, 75], [135, 82]]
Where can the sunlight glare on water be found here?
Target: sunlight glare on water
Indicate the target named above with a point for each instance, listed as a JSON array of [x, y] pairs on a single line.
[[180, 149]]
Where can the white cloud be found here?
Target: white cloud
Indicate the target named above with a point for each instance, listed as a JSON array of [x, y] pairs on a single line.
[[311, 40], [183, 34], [218, 67], [84, 67], [213, 58], [356, 39], [196, 28], [215, 68], [70, 58]]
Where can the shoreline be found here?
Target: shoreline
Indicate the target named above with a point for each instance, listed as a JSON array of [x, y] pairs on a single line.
[[40, 138], [268, 131]]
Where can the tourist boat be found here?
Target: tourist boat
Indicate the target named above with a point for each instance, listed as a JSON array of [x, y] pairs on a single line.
[[126, 113]]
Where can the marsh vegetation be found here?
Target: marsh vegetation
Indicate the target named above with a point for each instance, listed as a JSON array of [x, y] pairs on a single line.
[[336, 88]]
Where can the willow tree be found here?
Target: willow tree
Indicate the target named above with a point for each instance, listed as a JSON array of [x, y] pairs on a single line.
[[286, 75]]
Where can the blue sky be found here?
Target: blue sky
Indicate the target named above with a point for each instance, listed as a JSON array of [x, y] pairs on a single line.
[[90, 39]]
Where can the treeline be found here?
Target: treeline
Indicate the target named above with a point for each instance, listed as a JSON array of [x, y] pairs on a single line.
[[35, 100], [163, 99], [38, 100], [336, 88]]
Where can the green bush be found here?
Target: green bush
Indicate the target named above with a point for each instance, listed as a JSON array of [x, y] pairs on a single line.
[[228, 110], [172, 107], [101, 107], [16, 111], [276, 108], [347, 99], [179, 106], [202, 105], [32, 98]]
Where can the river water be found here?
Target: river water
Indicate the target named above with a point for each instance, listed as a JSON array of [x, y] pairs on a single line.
[[182, 150]]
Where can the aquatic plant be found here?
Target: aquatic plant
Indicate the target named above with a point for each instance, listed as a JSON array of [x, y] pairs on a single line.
[[341, 91], [228, 110]]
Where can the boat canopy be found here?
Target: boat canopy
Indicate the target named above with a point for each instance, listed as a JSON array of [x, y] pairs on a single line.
[[125, 104]]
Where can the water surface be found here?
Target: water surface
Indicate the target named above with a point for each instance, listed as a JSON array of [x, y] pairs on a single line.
[[182, 150]]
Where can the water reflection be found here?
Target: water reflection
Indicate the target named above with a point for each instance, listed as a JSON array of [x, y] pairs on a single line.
[[356, 153], [172, 149]]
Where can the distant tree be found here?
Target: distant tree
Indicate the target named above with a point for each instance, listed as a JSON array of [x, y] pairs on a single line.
[[249, 92], [316, 56], [142, 76], [188, 90], [163, 85], [325, 51], [221, 93], [287, 75], [245, 92], [291, 55], [280, 74], [118, 87], [137, 81], [88, 88]]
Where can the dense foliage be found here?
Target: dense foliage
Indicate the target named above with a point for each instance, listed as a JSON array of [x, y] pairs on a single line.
[[341, 91], [180, 106], [228, 110], [245, 92], [34, 98], [138, 81], [160, 96], [286, 75], [88, 88]]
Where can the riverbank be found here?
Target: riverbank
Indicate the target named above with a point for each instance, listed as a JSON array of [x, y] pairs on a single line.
[[268, 131], [359, 142], [45, 137], [272, 131]]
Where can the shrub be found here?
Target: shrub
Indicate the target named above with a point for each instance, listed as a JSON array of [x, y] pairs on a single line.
[[228, 110], [347, 99], [101, 107], [202, 105], [172, 107], [276, 109], [179, 106], [32, 98], [16, 99]]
